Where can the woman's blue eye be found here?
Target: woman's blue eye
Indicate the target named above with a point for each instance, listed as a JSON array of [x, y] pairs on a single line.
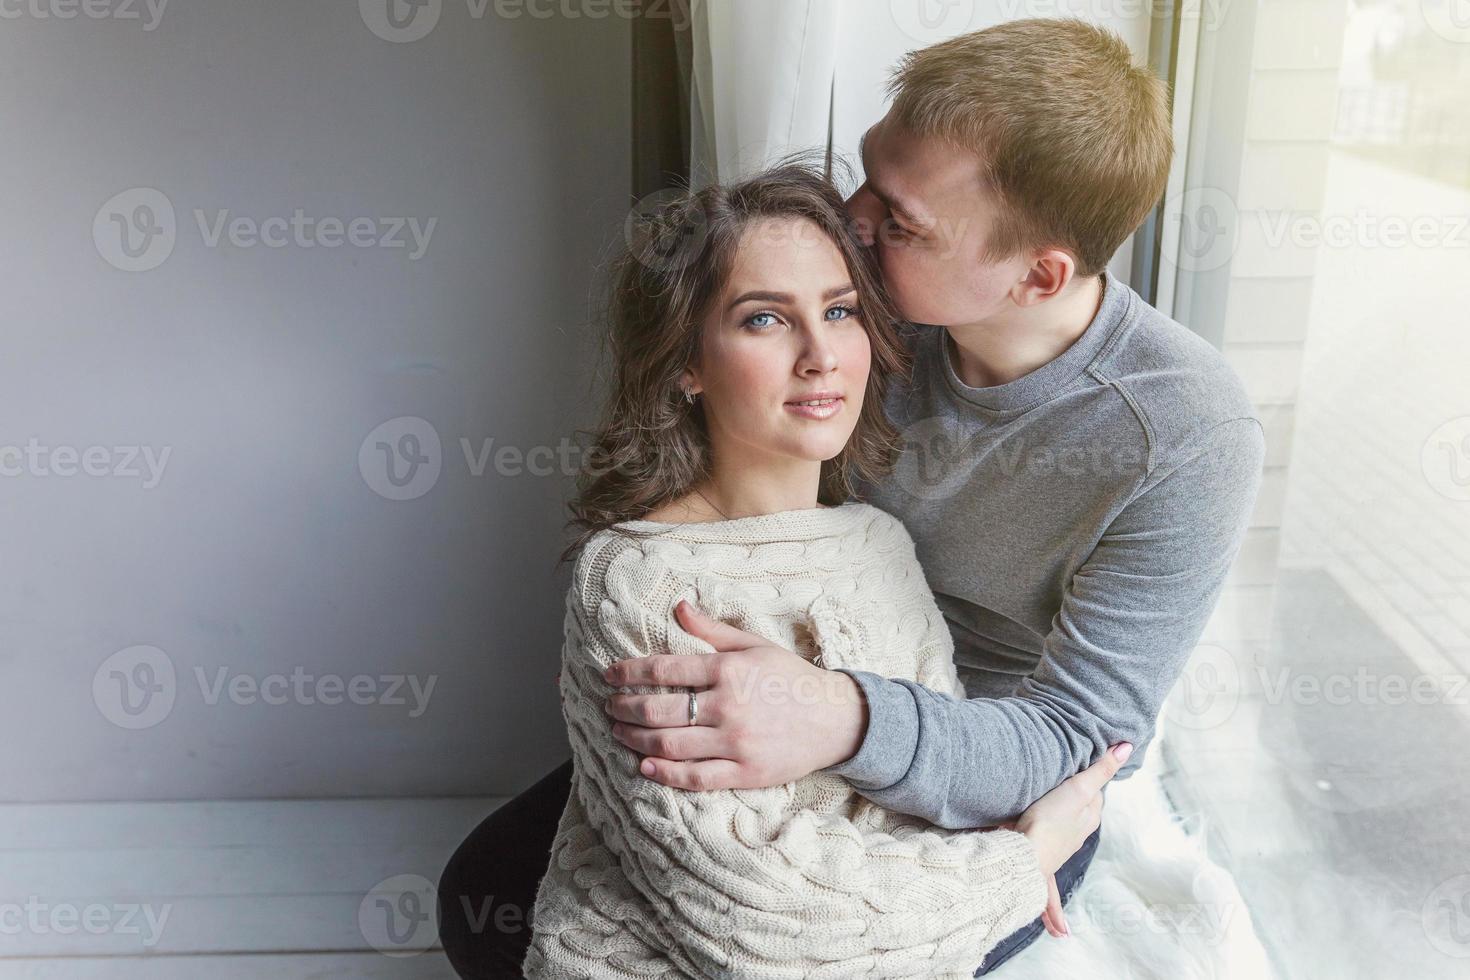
[[755, 320]]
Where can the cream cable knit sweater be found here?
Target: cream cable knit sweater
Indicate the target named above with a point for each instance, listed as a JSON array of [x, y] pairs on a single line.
[[803, 880]]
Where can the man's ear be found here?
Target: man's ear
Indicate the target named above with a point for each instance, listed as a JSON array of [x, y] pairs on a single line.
[[1050, 273]]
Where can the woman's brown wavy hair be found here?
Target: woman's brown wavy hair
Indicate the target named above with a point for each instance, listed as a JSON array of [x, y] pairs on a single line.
[[651, 446]]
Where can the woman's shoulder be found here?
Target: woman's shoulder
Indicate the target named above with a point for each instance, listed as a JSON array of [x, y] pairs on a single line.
[[880, 524], [636, 554], [612, 559]]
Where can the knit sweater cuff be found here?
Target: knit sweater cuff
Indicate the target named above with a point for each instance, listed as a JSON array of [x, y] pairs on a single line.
[[892, 737]]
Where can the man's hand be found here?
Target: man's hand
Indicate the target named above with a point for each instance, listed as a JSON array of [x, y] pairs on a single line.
[[766, 716]]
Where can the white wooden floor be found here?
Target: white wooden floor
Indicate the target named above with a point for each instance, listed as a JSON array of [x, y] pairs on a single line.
[[267, 890]]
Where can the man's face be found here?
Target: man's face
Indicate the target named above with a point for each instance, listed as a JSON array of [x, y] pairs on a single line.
[[925, 210]]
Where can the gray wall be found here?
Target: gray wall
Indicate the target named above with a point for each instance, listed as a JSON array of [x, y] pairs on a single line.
[[268, 552]]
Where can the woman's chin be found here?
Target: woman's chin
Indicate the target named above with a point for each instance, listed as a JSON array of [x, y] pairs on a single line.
[[820, 447]]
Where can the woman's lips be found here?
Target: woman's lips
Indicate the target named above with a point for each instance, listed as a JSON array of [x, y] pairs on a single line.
[[825, 409]]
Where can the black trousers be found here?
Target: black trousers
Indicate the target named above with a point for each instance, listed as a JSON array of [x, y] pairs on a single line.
[[488, 889]]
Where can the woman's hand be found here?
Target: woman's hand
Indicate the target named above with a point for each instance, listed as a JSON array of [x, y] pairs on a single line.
[[1062, 820]]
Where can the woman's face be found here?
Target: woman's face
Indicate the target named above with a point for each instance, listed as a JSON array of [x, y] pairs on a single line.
[[786, 329]]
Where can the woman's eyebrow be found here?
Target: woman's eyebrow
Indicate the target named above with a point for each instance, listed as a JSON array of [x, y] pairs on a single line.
[[768, 297]]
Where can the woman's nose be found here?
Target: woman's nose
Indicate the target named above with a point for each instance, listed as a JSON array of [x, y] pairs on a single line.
[[819, 355]]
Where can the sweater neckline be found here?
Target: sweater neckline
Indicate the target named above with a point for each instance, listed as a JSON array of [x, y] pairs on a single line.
[[803, 524]]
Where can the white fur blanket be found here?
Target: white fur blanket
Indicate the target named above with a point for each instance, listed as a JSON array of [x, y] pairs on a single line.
[[1153, 906]]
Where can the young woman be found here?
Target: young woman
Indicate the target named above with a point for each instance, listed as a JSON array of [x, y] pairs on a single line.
[[753, 348]]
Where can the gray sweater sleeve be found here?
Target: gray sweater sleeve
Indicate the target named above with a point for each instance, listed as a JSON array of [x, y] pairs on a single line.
[[1127, 624]]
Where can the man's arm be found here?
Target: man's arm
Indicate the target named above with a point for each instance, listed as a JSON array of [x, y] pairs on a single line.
[[1128, 622]]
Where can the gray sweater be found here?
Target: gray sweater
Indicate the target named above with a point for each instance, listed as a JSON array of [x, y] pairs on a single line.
[[1076, 526]]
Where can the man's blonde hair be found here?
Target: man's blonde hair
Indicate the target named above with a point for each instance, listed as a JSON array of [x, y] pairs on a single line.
[[1074, 139]]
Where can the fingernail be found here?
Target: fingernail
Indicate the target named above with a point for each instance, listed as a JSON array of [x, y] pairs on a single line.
[[607, 707], [1122, 751], [646, 768], [1066, 929]]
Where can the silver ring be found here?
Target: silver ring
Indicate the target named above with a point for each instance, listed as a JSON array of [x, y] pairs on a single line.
[[693, 707]]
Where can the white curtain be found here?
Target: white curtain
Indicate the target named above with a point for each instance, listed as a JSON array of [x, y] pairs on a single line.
[[762, 82]]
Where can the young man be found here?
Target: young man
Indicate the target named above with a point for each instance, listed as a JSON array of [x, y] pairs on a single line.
[[1079, 473]]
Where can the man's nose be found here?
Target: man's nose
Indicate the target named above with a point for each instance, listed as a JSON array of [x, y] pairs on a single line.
[[866, 212]]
